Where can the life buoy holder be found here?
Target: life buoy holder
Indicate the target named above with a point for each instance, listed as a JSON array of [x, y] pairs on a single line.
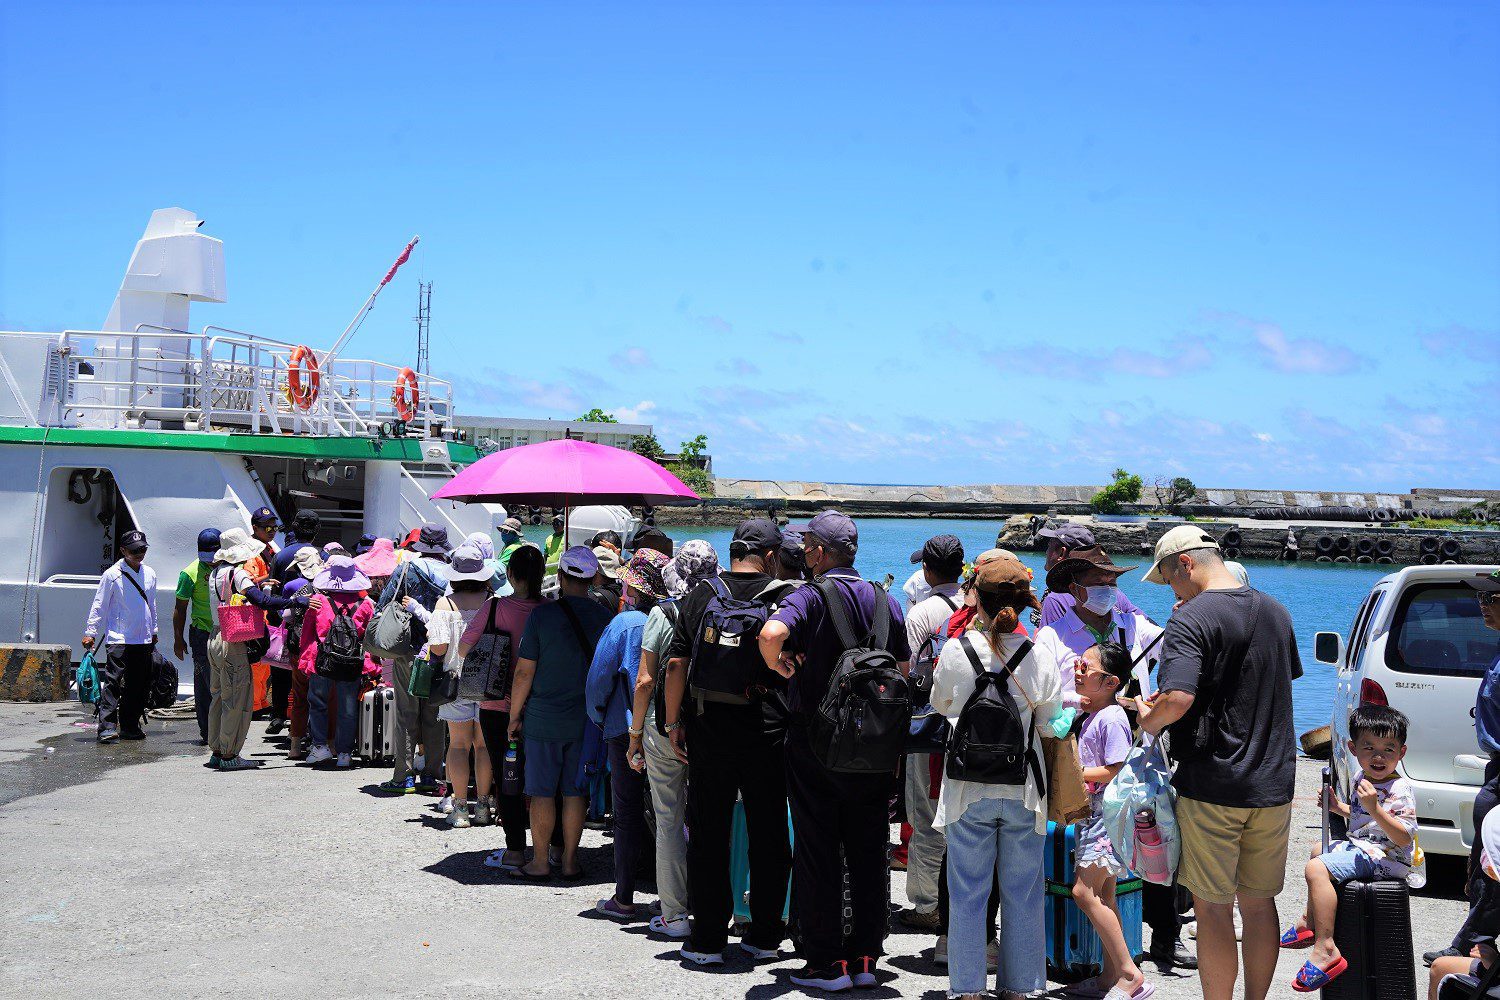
[[406, 397], [303, 396]]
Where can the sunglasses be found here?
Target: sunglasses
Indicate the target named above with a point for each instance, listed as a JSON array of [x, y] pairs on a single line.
[[1490, 598]]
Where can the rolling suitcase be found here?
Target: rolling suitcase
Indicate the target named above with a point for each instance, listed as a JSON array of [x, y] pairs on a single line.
[[377, 726], [1373, 934], [1074, 950], [739, 867]]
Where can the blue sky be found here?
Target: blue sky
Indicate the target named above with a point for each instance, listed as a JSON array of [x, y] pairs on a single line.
[[1258, 245]]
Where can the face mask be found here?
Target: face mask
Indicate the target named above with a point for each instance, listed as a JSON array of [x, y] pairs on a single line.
[[1100, 600]]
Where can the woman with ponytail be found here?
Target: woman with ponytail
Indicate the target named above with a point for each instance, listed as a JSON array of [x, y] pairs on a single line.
[[996, 827]]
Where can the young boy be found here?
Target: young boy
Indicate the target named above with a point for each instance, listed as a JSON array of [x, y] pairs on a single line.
[[1381, 836], [1104, 741]]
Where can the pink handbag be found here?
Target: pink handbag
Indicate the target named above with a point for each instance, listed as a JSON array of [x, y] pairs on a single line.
[[276, 651], [240, 622]]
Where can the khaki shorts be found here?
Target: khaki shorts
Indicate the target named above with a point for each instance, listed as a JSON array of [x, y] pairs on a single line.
[[1228, 850]]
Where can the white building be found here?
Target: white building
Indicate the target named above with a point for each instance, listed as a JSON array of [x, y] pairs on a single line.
[[512, 432]]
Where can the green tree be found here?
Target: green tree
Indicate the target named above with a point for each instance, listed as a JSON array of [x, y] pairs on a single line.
[[1124, 488], [689, 451], [647, 446], [597, 416]]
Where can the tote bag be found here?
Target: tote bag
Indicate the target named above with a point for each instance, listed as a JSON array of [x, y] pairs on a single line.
[[389, 634], [238, 622], [491, 658]]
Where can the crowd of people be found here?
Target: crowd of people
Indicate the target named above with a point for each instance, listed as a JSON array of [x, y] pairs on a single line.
[[703, 692]]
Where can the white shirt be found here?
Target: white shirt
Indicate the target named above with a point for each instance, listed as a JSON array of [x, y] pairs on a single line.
[[124, 615], [225, 582], [953, 684], [1058, 644], [929, 618]]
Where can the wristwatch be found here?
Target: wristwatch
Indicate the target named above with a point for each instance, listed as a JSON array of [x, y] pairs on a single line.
[[636, 732]]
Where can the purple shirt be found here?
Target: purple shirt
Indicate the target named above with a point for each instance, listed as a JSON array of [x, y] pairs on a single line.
[[1058, 603], [813, 634], [1104, 740]]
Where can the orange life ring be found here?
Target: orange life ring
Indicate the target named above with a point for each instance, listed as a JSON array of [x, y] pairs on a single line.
[[303, 397], [407, 397]]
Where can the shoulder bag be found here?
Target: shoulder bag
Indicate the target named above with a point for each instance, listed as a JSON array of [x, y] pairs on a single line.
[[389, 633], [491, 658], [447, 684]]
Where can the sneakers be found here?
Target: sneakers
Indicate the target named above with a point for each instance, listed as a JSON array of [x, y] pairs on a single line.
[[922, 920], [482, 814], [864, 975], [345, 761], [676, 927], [445, 805], [213, 762], [275, 727], [396, 786], [1172, 954], [831, 978], [615, 910], [759, 954], [459, 817], [238, 764], [701, 957], [427, 786], [319, 755], [940, 951], [108, 736]]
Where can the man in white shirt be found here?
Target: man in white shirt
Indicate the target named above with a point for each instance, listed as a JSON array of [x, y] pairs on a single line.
[[942, 562], [124, 609]]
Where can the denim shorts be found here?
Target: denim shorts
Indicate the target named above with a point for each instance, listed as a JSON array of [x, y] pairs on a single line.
[[1346, 863], [459, 711], [552, 768]]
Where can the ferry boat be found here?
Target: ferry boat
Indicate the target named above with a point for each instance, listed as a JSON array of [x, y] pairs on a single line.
[[147, 425]]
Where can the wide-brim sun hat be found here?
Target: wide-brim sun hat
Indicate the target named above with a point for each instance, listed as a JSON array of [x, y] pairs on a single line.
[[341, 576], [236, 546], [468, 563], [644, 573], [309, 562], [1079, 560], [482, 541], [380, 560]]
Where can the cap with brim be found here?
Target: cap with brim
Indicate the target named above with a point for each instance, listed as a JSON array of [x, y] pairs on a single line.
[[1183, 538], [133, 541], [366, 543], [380, 560], [1004, 576], [644, 573], [609, 561], [236, 546], [756, 534], [941, 552], [468, 563], [1059, 576], [512, 525], [836, 530], [652, 537], [208, 542], [264, 515], [341, 576], [1069, 535], [1487, 584], [579, 562]]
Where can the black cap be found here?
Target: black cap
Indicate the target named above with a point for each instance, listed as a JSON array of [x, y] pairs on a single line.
[[133, 540], [652, 538], [1487, 584], [264, 515], [755, 535], [307, 520], [942, 552]]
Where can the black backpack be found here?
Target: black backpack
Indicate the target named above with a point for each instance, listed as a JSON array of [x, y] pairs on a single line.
[[659, 696], [163, 693], [726, 664], [292, 621], [989, 744], [864, 716], [341, 655]]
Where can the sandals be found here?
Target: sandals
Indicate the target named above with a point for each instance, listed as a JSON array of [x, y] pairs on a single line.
[[525, 876], [1297, 938], [1311, 978]]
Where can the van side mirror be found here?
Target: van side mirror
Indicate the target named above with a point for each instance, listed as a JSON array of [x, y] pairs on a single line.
[[1328, 647]]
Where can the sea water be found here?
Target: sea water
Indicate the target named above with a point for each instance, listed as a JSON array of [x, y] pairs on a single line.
[[1322, 597]]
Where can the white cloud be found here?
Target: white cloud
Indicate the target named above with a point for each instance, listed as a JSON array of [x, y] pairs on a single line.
[[640, 413]]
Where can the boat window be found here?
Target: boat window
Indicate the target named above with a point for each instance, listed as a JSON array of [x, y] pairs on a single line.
[[1437, 629], [84, 519]]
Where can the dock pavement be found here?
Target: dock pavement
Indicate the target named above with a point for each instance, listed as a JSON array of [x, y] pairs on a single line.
[[133, 871]]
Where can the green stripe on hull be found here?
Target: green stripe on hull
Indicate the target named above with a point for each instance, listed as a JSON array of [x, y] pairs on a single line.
[[280, 445]]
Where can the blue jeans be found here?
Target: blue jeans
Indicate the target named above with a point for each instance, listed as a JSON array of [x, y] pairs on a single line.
[[996, 835], [202, 695], [346, 696]]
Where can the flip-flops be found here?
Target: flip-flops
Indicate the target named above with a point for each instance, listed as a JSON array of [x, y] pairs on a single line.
[[1297, 938], [523, 875], [1311, 978]]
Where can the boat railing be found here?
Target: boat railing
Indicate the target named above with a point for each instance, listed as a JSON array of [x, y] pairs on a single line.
[[227, 379]]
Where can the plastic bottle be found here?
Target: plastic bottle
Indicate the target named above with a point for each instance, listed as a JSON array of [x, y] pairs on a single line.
[[510, 771], [1150, 852]]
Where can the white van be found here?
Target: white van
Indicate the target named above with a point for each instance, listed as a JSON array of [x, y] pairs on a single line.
[[1419, 645]]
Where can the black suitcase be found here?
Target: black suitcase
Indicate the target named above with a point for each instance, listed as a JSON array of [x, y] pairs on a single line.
[[1373, 933]]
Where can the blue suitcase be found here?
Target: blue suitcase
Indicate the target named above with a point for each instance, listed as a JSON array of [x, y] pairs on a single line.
[[739, 866], [1074, 950]]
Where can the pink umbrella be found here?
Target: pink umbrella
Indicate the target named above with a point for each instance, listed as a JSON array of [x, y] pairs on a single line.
[[563, 474]]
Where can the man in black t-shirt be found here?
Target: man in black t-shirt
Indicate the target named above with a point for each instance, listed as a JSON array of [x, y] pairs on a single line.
[[732, 745], [1228, 660]]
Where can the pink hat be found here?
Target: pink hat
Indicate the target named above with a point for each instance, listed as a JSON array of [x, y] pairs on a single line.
[[380, 560]]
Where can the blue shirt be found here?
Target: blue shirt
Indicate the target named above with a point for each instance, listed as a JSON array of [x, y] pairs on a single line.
[[812, 632], [611, 684], [425, 580], [554, 709], [1487, 711]]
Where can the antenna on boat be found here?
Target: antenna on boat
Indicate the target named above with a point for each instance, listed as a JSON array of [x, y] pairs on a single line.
[[364, 310], [424, 323]]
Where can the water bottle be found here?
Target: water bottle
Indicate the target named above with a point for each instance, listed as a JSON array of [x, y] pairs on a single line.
[[510, 771], [1150, 852]]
